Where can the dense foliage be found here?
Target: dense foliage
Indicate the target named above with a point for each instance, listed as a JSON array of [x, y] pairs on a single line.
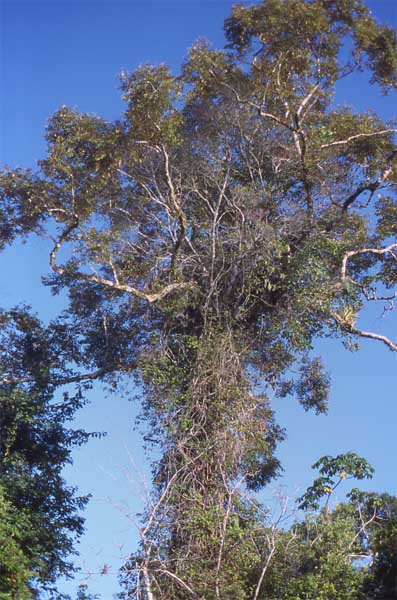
[[334, 555], [15, 573], [337, 554], [40, 514], [231, 216]]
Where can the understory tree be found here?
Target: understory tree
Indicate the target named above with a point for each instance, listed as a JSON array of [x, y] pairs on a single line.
[[230, 217], [333, 553], [40, 515]]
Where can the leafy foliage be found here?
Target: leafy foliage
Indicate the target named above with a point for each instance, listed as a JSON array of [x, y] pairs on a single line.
[[380, 511], [314, 560], [333, 470], [340, 553], [15, 571], [205, 240], [41, 514]]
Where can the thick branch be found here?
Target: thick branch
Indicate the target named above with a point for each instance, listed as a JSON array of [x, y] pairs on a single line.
[[347, 326], [348, 255], [115, 285], [58, 244], [306, 100], [149, 297], [366, 187], [372, 186]]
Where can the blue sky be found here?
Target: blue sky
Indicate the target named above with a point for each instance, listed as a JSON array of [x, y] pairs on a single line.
[[71, 52]]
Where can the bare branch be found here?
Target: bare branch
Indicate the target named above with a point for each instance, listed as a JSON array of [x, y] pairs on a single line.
[[177, 579], [271, 540], [307, 99], [347, 326], [59, 380], [115, 285], [259, 108], [378, 251], [58, 244], [356, 137], [265, 566], [149, 297], [183, 223], [366, 187], [371, 186]]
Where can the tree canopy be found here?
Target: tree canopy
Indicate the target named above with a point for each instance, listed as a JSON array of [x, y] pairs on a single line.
[[231, 216]]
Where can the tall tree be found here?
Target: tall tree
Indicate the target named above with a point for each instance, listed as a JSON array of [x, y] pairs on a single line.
[[229, 218]]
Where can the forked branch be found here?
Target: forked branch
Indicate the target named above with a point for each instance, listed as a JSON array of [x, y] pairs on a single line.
[[348, 324], [150, 297]]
